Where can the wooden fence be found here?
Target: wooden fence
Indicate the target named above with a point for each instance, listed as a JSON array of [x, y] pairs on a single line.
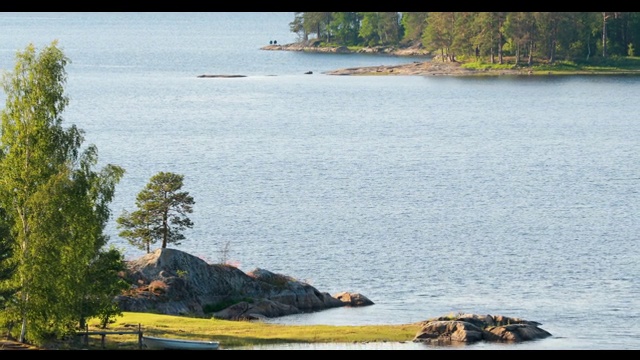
[[103, 334]]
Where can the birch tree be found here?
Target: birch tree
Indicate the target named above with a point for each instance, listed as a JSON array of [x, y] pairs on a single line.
[[56, 205]]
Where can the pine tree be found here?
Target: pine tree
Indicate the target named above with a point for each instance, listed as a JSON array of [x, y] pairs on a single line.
[[161, 215]]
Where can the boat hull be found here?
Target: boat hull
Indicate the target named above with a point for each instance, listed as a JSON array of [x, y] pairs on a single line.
[[156, 343]]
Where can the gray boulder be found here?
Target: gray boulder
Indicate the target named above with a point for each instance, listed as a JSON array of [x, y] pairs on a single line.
[[353, 299], [446, 332], [470, 328], [518, 332]]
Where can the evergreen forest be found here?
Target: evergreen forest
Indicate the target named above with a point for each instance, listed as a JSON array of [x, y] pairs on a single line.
[[494, 37]]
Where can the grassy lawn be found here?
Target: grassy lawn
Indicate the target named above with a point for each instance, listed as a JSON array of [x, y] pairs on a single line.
[[232, 334], [616, 65]]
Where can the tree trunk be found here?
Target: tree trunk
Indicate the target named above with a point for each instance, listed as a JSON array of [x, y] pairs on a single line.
[[24, 281], [23, 330], [165, 230], [604, 34], [500, 59], [493, 59]]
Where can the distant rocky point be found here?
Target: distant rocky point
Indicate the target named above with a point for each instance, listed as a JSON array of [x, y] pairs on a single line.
[[314, 45], [172, 282]]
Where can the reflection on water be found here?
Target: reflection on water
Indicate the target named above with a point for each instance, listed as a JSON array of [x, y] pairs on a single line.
[[344, 346], [544, 344]]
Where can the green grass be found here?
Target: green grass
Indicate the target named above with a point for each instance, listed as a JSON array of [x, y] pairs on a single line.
[[477, 65], [596, 65], [233, 334]]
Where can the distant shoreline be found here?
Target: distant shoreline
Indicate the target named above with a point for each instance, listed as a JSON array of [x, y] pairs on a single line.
[[430, 67], [420, 68], [409, 51], [425, 68]]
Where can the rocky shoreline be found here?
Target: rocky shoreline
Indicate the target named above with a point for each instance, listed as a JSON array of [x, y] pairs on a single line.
[[429, 67], [424, 67], [172, 282], [415, 50]]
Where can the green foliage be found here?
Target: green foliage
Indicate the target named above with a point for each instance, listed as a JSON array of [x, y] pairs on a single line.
[[296, 26], [344, 27], [413, 24], [368, 29], [7, 265], [613, 64], [595, 64], [161, 213], [478, 65], [380, 28], [521, 35], [55, 206], [105, 282]]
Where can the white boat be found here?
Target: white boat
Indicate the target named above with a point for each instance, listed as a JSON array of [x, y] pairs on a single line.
[[157, 343]]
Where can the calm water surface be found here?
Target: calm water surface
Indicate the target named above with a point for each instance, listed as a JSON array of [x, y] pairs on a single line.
[[429, 195]]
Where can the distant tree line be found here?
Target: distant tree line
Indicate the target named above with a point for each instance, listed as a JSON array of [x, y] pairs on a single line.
[[523, 36]]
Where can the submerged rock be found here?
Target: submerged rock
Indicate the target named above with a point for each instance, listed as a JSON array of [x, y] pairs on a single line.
[[221, 76]]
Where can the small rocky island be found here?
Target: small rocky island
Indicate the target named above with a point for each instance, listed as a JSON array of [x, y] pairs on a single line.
[[472, 328], [172, 282]]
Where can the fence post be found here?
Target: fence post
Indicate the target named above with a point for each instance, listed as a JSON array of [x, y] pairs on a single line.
[[86, 335], [140, 336]]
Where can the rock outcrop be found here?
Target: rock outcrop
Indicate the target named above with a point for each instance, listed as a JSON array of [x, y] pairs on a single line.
[[221, 76], [470, 328], [173, 282], [352, 299]]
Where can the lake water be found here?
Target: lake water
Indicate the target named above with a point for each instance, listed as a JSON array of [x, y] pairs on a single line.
[[516, 196]]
